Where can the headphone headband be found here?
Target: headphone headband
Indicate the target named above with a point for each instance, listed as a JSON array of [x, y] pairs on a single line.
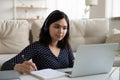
[[47, 19]]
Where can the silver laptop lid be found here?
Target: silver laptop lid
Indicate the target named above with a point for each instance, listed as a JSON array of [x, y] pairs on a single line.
[[94, 59]]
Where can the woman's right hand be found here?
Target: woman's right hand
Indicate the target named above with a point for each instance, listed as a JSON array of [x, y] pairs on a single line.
[[25, 68]]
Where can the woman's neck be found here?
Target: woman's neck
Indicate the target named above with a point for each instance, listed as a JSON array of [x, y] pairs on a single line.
[[53, 44], [54, 49]]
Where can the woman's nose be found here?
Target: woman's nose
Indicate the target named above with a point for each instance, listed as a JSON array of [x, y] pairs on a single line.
[[60, 30]]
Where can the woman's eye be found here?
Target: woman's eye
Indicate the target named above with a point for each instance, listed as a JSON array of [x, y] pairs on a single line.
[[57, 27], [64, 28]]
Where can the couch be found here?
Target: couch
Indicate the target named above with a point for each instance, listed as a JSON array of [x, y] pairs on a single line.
[[17, 34]]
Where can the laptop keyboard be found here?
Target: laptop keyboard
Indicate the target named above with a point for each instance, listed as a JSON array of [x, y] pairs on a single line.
[[66, 70], [70, 72]]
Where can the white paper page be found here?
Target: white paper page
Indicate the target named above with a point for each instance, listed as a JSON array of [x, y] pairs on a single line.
[[47, 73]]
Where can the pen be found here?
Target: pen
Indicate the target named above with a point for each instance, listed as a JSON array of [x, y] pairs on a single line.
[[23, 57], [36, 69]]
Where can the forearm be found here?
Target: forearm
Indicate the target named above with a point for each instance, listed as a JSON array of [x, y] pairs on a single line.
[[8, 66]]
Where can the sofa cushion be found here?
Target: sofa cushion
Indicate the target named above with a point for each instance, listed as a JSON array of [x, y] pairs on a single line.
[[88, 31], [14, 36], [113, 38], [115, 31], [36, 26]]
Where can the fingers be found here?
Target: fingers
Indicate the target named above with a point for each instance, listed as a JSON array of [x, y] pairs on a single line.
[[31, 64], [25, 68]]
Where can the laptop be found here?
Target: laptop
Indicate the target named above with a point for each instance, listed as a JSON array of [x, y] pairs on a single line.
[[93, 59]]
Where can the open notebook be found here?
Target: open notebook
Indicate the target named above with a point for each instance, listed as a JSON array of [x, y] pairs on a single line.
[[47, 74]]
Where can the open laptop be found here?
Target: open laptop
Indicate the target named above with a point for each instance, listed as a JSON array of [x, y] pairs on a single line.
[[93, 59]]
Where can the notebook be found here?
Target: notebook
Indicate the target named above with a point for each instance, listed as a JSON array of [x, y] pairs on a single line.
[[46, 74], [9, 75], [93, 59]]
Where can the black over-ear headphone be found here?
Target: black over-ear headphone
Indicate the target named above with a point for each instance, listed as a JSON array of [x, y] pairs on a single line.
[[45, 24]]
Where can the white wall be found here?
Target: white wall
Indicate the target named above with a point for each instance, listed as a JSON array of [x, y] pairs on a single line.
[[99, 10], [6, 9], [102, 10]]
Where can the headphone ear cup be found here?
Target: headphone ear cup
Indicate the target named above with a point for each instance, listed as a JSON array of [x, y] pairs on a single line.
[[46, 23], [45, 29], [45, 26]]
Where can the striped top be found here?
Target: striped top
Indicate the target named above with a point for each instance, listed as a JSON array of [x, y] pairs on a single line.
[[42, 56]]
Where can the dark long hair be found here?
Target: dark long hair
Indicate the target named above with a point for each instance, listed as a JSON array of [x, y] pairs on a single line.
[[45, 37]]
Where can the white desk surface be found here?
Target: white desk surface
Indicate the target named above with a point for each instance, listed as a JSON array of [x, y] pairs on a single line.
[[114, 76]]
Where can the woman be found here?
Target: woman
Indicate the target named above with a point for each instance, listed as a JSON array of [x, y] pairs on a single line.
[[51, 51]]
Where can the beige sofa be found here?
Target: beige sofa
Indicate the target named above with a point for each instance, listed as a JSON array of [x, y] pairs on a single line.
[[15, 34], [85, 31]]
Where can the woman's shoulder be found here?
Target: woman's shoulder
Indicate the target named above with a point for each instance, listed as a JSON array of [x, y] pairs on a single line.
[[67, 48], [37, 44]]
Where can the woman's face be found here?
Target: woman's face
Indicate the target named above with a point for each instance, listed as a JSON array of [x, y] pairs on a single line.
[[58, 30]]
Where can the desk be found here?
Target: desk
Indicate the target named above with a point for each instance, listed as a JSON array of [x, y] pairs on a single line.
[[114, 76]]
